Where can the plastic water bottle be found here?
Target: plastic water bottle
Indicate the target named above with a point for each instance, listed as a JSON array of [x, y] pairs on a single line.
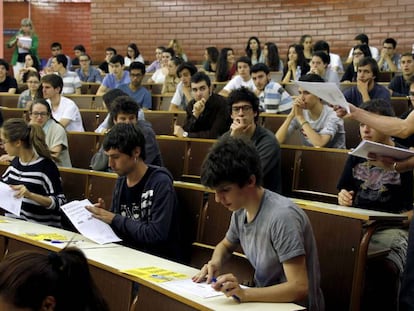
[[298, 73]]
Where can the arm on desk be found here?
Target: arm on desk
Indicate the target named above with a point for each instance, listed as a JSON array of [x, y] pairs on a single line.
[[294, 289], [221, 253]]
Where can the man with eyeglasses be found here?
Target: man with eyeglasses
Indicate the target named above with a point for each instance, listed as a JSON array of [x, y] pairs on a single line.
[[244, 107], [316, 122], [400, 85], [56, 49], [207, 113], [86, 72], [134, 88]]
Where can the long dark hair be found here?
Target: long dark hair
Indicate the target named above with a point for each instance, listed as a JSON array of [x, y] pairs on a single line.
[[136, 50], [222, 72], [273, 59], [28, 277], [42, 101], [249, 51]]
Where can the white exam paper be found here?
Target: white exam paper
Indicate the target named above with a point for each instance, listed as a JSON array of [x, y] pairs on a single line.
[[367, 146], [8, 201], [328, 91], [202, 290], [87, 225]]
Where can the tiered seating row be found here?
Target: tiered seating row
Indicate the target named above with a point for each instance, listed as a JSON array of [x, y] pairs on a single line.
[[339, 233]]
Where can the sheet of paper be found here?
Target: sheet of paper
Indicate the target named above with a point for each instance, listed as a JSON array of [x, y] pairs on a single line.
[[155, 274], [366, 147], [8, 201], [87, 225], [202, 290], [328, 91]]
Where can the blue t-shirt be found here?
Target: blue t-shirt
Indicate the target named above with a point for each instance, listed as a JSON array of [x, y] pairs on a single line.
[[111, 82], [142, 96], [353, 96]]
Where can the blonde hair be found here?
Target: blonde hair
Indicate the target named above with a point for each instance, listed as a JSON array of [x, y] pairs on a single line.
[[179, 50], [27, 22]]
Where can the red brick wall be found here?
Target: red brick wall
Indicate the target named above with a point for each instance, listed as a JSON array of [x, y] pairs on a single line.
[[67, 23], [200, 23]]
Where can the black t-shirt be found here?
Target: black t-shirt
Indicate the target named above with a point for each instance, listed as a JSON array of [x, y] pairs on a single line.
[[8, 83], [130, 200], [375, 188]]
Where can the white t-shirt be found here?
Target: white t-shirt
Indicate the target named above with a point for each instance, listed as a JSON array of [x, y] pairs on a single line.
[[158, 76], [336, 62], [128, 61], [237, 82], [67, 109]]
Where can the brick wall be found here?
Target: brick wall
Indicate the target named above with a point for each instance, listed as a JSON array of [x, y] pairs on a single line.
[[200, 23]]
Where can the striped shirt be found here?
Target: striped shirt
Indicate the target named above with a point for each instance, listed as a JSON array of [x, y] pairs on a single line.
[[41, 177]]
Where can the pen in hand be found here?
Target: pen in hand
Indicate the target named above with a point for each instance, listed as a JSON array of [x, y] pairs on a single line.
[[235, 297]]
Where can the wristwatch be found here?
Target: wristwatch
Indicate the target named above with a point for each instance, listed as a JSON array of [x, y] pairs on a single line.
[[185, 134]]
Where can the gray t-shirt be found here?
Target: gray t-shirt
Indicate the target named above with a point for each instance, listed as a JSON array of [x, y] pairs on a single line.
[[279, 232], [327, 124]]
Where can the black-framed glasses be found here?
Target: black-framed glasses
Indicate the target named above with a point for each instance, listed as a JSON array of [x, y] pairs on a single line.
[[39, 114], [244, 108]]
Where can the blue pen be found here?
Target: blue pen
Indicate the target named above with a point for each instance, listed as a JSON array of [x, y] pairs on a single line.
[[235, 297], [53, 241]]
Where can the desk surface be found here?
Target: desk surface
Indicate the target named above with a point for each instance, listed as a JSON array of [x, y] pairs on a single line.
[[113, 258], [351, 212]]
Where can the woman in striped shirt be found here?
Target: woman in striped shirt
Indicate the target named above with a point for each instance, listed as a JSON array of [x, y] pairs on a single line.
[[32, 174]]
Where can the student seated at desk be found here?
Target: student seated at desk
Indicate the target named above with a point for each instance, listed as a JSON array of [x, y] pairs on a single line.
[[243, 77], [275, 234], [207, 113], [318, 124], [125, 110], [378, 186], [32, 174], [244, 107], [171, 79], [144, 210], [183, 95], [107, 99], [56, 281]]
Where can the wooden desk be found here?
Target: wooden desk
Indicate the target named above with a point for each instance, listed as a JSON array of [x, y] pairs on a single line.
[[106, 261], [343, 235]]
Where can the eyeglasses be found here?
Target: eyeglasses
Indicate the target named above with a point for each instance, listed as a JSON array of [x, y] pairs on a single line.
[[244, 108], [39, 114]]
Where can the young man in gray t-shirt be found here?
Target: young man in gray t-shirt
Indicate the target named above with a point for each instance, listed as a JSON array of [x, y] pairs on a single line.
[[275, 234]]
